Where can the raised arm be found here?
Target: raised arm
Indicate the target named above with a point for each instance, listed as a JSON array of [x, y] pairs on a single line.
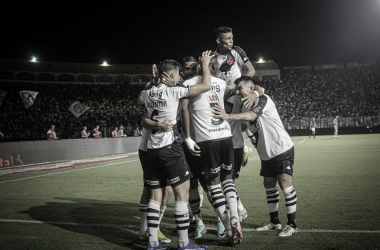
[[249, 69], [205, 85], [221, 113]]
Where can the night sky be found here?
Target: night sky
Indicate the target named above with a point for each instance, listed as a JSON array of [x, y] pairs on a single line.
[[292, 33]]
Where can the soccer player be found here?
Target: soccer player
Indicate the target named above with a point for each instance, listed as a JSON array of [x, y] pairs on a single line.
[[232, 59], [165, 154], [213, 140], [276, 151], [313, 126], [335, 122]]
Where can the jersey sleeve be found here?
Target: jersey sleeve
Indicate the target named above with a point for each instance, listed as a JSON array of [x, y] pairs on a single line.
[[141, 99], [242, 58], [262, 103]]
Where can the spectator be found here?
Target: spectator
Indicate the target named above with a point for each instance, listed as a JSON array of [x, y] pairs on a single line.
[[51, 134], [84, 134], [115, 133], [95, 132]]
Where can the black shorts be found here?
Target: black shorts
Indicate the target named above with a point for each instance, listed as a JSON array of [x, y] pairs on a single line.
[[167, 165], [280, 164], [194, 162], [144, 164], [217, 156], [238, 160]]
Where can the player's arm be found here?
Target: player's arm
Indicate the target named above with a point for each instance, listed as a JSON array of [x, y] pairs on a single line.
[[249, 69], [147, 123], [185, 120], [205, 85], [221, 114]]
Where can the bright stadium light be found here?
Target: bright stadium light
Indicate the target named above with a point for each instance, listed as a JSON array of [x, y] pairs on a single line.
[[34, 59], [261, 60], [105, 64]]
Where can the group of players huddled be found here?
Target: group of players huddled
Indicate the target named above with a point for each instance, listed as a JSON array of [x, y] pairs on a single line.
[[192, 133]]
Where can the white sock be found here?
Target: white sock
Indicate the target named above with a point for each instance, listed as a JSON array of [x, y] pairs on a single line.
[[230, 195], [290, 199], [201, 197], [239, 203], [153, 215], [162, 211], [273, 198], [219, 204], [194, 201], [143, 208], [245, 149], [181, 215]]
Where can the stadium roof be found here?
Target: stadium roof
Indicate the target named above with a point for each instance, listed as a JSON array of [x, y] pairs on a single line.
[[265, 65], [64, 67]]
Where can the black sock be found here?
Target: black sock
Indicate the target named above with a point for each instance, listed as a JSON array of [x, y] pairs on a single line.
[[274, 217], [291, 220]]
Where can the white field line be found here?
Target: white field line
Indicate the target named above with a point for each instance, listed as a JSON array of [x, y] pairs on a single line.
[[63, 172], [209, 228], [303, 140]]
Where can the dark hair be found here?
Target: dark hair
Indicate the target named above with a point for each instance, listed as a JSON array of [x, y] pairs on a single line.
[[167, 65], [189, 59], [222, 29], [245, 79]]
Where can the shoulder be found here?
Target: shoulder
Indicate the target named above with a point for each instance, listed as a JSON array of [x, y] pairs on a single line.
[[239, 50], [191, 80]]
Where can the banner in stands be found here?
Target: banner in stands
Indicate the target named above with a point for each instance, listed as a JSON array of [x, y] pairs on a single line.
[[78, 108], [363, 121], [2, 95], [28, 97]]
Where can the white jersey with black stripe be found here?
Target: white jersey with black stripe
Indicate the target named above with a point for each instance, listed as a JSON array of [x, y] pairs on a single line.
[[205, 126], [231, 63], [162, 103], [271, 136]]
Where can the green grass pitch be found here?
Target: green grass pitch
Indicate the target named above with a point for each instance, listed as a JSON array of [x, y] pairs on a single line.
[[96, 206]]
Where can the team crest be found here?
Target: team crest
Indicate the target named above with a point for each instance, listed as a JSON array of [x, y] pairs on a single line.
[[230, 61], [256, 109]]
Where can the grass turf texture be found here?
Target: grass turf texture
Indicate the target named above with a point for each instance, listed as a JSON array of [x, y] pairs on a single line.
[[96, 206]]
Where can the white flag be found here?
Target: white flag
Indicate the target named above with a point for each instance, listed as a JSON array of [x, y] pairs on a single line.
[[78, 108], [28, 97], [2, 95]]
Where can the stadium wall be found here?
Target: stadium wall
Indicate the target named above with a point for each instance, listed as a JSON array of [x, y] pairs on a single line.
[[330, 131], [27, 152]]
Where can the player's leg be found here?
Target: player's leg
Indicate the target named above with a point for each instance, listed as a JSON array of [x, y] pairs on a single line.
[[168, 193], [145, 196], [194, 201], [179, 175], [238, 152], [285, 182], [229, 189]]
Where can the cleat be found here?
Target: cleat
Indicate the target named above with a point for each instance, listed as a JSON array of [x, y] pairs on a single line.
[[191, 245], [221, 229], [199, 232], [237, 233], [162, 238], [245, 157], [159, 247], [228, 240], [143, 236], [269, 226], [242, 214], [288, 231]]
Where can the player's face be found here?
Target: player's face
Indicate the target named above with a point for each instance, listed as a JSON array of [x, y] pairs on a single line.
[[242, 89], [226, 40], [189, 69]]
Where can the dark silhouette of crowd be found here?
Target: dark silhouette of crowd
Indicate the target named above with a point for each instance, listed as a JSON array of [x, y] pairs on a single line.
[[298, 95]]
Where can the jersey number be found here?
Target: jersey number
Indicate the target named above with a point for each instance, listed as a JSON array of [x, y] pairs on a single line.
[[215, 121], [154, 113]]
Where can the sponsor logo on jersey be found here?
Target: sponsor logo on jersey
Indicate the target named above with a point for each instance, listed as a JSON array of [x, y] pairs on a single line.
[[213, 98], [227, 127], [155, 94], [157, 104]]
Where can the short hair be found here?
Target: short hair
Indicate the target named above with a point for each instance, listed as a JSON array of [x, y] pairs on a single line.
[[189, 59], [245, 79], [168, 65], [222, 29]]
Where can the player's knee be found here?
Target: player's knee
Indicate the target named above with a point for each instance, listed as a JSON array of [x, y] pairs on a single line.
[[269, 182], [284, 180]]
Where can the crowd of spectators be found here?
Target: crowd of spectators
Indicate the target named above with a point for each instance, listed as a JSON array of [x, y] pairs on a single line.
[[111, 105], [298, 95], [328, 93]]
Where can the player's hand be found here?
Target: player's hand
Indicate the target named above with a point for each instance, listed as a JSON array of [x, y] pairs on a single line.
[[166, 125], [155, 71], [193, 147], [219, 112], [259, 90], [249, 98], [167, 79], [205, 58]]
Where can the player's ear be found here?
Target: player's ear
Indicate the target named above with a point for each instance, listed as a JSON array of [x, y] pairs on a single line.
[[218, 40]]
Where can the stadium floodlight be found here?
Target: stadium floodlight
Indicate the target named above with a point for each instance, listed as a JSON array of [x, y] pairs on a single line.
[[34, 59], [261, 60], [105, 64]]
